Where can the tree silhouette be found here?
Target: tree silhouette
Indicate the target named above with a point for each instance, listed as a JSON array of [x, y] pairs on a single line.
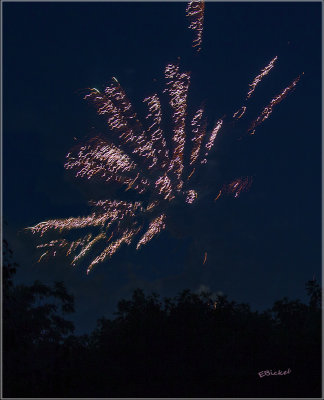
[[191, 345], [34, 329]]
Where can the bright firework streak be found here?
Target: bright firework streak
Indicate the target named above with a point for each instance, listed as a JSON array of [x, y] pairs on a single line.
[[155, 227], [211, 139], [70, 223], [88, 246], [199, 131], [63, 245], [111, 211], [157, 137], [177, 88], [126, 237], [164, 188], [268, 109], [195, 13], [239, 113], [100, 159], [258, 78]]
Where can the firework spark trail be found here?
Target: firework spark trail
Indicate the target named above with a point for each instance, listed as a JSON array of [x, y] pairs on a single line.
[[112, 211], [118, 210], [155, 227], [163, 187], [259, 77], [100, 159], [116, 121], [191, 196], [155, 131], [43, 256], [52, 243], [218, 196], [122, 208], [177, 88], [239, 113], [191, 173], [211, 139], [79, 243], [237, 186], [268, 109], [123, 120], [93, 219], [152, 205], [63, 244], [126, 237], [199, 131], [87, 248], [143, 145], [97, 157], [195, 13]]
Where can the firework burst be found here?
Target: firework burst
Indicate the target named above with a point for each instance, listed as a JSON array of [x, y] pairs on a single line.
[[136, 155]]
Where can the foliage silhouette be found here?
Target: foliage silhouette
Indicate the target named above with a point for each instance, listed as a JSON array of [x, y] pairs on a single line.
[[191, 345], [34, 330]]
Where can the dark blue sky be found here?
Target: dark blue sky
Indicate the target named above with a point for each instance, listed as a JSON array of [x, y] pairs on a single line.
[[262, 246]]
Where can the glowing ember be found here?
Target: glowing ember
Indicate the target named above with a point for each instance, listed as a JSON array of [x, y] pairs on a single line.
[[205, 258]]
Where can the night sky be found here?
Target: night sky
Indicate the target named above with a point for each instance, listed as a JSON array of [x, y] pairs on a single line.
[[260, 247]]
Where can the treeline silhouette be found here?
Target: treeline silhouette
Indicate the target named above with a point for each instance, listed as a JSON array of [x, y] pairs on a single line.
[[192, 345]]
